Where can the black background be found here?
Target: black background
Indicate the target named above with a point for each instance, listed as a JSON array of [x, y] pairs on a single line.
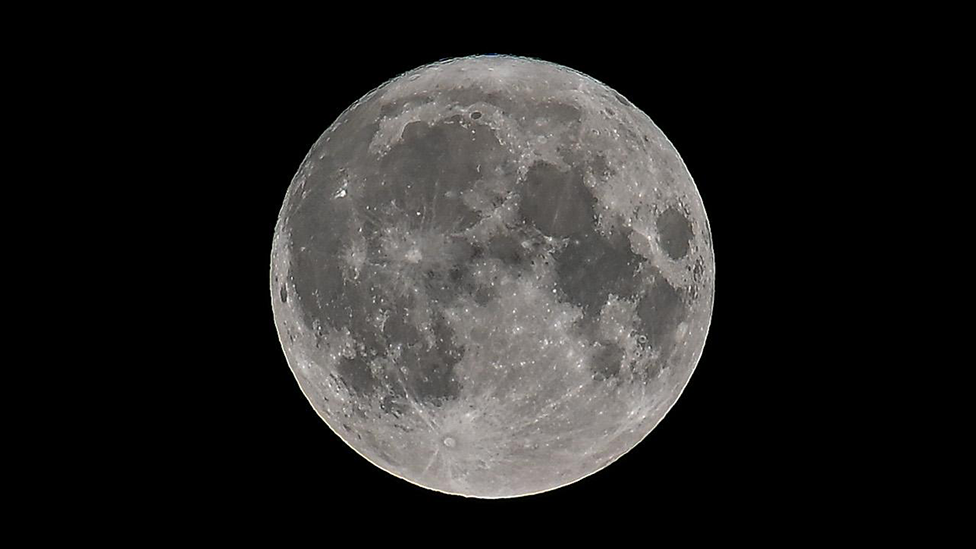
[[737, 108]]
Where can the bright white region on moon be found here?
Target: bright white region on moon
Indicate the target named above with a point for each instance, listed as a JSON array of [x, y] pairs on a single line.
[[492, 276]]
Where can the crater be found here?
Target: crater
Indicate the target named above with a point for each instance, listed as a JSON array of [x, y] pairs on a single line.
[[621, 99], [674, 233], [390, 108], [484, 294]]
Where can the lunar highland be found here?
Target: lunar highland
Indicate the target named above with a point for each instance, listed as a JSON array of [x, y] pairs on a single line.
[[492, 276]]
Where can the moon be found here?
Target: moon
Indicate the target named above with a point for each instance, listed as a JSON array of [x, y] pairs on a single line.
[[492, 276]]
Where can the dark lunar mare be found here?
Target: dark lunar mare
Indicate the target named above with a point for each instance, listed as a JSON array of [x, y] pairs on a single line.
[[675, 233], [591, 266], [661, 309], [427, 172]]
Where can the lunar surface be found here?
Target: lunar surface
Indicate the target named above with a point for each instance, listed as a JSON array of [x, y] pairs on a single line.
[[492, 276]]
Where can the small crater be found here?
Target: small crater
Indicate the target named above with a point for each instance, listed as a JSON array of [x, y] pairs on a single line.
[[475, 115], [284, 294], [450, 442], [483, 295]]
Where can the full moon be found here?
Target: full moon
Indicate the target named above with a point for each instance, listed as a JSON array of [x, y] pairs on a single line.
[[492, 276]]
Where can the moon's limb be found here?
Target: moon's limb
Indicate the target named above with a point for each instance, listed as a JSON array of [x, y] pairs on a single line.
[[492, 276]]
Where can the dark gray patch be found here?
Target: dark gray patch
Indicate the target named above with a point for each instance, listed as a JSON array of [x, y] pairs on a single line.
[[560, 113], [389, 459], [592, 267], [398, 330], [466, 96], [622, 100], [506, 249], [430, 370], [556, 202], [674, 233], [329, 299], [448, 284], [363, 304], [698, 273], [439, 286], [606, 361], [473, 94], [393, 404], [317, 227], [661, 309], [283, 294], [356, 375], [599, 167], [483, 295], [430, 168], [318, 284], [395, 107]]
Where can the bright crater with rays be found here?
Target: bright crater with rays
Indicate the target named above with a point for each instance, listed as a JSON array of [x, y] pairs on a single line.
[[492, 276]]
